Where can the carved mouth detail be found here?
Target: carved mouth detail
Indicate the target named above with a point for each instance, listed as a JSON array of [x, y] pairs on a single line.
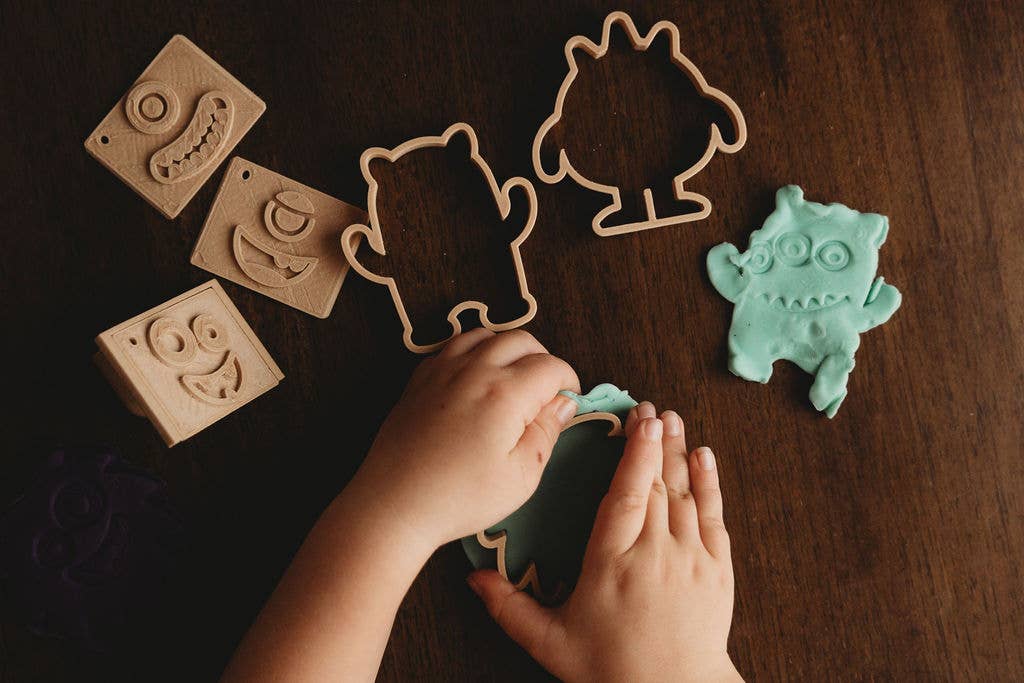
[[809, 303], [220, 387], [284, 269], [199, 144]]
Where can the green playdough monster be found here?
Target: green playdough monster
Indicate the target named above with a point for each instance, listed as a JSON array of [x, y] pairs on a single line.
[[805, 289]]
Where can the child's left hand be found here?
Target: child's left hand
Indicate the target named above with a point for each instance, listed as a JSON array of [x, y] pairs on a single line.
[[466, 444]]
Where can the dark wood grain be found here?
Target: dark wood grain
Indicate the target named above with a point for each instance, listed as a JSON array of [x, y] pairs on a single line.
[[884, 544]]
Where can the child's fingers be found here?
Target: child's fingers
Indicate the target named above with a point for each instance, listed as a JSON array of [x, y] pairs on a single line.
[[466, 342], [543, 375], [539, 436], [637, 413], [519, 615], [708, 497], [508, 347], [620, 518], [675, 470]]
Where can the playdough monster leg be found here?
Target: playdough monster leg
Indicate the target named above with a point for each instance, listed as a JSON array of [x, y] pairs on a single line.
[[749, 361], [829, 388]]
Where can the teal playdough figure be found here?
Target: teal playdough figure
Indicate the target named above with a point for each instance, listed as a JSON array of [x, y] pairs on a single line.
[[805, 289], [547, 536]]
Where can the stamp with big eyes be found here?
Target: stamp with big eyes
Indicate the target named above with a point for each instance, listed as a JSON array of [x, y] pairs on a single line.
[[178, 346]]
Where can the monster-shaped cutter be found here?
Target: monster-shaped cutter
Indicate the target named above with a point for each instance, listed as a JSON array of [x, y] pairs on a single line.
[[540, 546], [805, 289], [716, 142], [375, 236]]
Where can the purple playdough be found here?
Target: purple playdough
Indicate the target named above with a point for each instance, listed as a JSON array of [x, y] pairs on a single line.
[[88, 551]]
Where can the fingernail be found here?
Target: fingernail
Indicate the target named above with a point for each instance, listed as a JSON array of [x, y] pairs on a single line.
[[645, 410], [706, 458], [673, 423], [566, 409], [473, 585], [651, 429]]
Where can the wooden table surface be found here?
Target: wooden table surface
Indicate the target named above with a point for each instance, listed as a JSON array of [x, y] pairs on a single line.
[[883, 544]]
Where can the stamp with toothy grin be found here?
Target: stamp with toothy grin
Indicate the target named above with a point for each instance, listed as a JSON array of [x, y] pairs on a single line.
[[176, 124]]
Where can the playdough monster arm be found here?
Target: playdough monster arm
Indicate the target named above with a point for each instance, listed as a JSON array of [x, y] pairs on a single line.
[[725, 275], [882, 301]]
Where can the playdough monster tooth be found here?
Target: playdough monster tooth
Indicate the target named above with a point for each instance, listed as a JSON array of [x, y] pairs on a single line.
[[716, 141], [782, 312], [375, 237], [223, 386]]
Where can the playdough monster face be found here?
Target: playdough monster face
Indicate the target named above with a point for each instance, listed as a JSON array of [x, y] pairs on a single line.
[[87, 550], [814, 260]]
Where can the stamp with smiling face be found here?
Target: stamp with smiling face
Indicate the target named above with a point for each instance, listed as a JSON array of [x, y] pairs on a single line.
[[277, 237], [187, 363], [175, 125]]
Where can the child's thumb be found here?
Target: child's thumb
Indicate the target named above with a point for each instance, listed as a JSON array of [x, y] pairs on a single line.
[[539, 437], [519, 615]]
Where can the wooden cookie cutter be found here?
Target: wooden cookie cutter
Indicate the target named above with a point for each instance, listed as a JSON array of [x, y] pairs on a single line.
[[715, 143], [497, 542], [375, 237]]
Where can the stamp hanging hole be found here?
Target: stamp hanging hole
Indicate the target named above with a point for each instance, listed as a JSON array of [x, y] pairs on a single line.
[[133, 341], [246, 175], [104, 140]]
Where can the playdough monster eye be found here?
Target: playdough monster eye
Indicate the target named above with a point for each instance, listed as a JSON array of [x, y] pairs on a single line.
[[172, 342], [793, 248], [152, 107], [833, 255], [760, 259], [209, 333], [78, 504], [292, 219]]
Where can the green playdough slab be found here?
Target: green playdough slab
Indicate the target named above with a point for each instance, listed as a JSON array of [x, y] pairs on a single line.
[[552, 528], [805, 289]]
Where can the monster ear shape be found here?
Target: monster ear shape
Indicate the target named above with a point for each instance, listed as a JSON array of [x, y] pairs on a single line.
[[376, 165], [879, 229], [789, 196], [460, 142]]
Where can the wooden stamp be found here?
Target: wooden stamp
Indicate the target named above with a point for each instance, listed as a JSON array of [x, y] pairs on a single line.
[[715, 143], [373, 231], [187, 363], [175, 125], [277, 237]]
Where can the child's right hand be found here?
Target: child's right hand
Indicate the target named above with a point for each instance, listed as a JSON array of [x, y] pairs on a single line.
[[654, 599]]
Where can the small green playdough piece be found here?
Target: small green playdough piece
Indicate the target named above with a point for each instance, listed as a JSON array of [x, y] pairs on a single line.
[[805, 289], [552, 528], [604, 398]]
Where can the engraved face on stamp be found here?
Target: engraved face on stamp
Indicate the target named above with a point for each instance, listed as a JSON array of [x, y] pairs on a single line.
[[276, 236], [175, 125], [189, 362]]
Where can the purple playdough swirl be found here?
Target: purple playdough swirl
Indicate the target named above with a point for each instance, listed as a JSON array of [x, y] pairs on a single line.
[[88, 551]]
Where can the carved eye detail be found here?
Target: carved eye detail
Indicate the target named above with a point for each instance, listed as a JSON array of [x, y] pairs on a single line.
[[172, 342], [152, 107], [833, 255], [209, 333], [760, 259], [793, 248], [78, 504]]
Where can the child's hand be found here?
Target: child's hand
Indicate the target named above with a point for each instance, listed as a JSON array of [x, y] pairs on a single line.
[[654, 599], [467, 442]]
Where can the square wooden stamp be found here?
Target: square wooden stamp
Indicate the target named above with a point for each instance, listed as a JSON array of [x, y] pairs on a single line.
[[277, 237], [187, 363], [178, 121]]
